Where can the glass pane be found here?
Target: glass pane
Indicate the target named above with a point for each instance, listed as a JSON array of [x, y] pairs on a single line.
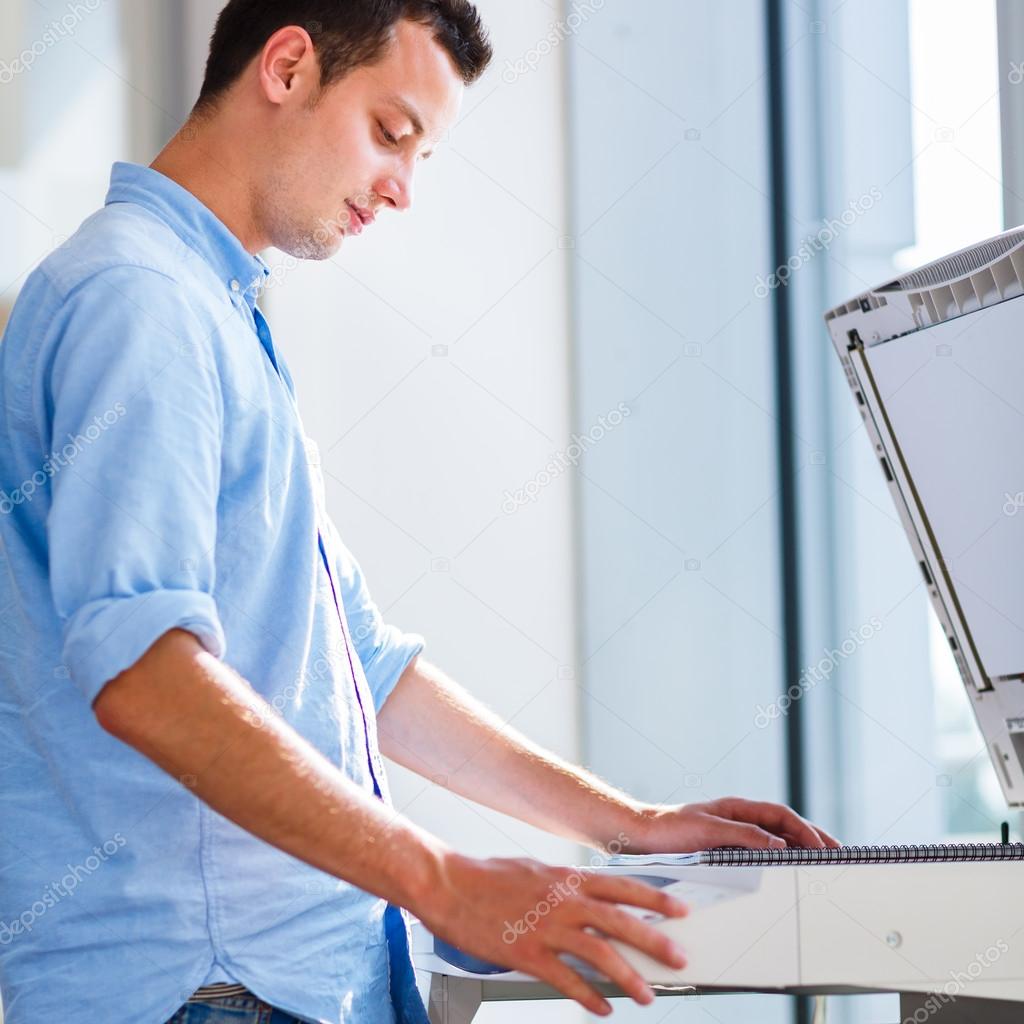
[[958, 189]]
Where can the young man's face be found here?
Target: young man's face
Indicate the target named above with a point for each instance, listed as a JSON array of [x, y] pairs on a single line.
[[339, 162]]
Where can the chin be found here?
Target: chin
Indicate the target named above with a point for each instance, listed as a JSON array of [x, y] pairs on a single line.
[[333, 244], [307, 247]]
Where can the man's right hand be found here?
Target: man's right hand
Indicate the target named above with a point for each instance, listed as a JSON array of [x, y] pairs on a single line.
[[522, 914]]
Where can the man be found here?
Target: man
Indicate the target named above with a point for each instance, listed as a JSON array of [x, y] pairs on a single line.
[[193, 677]]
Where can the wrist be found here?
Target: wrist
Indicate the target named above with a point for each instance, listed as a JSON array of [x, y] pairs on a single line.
[[628, 829], [439, 900], [640, 833], [425, 877]]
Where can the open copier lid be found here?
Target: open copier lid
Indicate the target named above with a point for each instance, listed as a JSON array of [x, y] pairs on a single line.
[[935, 360]]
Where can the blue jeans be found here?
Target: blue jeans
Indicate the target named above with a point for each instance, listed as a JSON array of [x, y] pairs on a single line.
[[232, 1010]]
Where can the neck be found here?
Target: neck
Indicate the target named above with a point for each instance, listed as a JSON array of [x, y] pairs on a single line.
[[205, 160]]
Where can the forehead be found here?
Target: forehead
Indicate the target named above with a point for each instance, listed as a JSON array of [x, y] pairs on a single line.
[[416, 78]]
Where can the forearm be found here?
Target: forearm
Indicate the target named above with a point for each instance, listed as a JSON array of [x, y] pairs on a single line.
[[204, 725], [432, 726]]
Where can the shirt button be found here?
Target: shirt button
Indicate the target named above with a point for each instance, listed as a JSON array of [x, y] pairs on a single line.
[[235, 286]]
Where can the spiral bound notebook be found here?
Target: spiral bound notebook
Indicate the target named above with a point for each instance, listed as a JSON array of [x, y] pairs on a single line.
[[736, 857]]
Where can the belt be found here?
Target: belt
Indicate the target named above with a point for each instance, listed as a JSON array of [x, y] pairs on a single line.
[[222, 990]]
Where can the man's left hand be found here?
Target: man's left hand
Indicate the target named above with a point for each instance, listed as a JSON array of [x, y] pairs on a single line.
[[730, 821]]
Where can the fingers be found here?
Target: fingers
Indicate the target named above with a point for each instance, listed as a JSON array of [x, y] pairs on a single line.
[[830, 841], [751, 837], [619, 924], [619, 889], [569, 983], [778, 819], [597, 909], [600, 955]]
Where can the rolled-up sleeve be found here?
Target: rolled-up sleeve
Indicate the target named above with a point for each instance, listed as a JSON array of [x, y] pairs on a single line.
[[384, 651], [137, 426]]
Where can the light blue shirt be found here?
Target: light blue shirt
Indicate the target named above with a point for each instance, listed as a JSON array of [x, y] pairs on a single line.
[[155, 475]]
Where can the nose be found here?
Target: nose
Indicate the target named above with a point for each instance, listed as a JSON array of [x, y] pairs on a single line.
[[397, 189]]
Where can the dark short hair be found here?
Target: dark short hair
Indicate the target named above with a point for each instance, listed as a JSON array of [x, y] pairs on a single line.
[[345, 33]]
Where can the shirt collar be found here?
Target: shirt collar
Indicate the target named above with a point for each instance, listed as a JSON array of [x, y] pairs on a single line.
[[194, 223]]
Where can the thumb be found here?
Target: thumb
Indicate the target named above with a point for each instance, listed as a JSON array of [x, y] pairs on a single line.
[[736, 833]]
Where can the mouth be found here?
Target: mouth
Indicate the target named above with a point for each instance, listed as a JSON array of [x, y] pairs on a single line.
[[361, 218]]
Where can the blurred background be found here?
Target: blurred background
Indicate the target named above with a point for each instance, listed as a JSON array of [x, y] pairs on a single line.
[[573, 428]]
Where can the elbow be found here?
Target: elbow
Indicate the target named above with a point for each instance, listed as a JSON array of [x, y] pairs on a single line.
[[136, 701], [112, 707]]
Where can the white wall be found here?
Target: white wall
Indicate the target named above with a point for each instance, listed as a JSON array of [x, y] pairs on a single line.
[[680, 611], [56, 155]]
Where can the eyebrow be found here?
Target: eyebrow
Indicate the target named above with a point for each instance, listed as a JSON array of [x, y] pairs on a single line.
[[409, 111]]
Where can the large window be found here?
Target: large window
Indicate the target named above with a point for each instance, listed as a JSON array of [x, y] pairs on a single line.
[[958, 190], [892, 751]]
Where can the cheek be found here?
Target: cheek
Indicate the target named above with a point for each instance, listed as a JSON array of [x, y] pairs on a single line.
[[357, 163]]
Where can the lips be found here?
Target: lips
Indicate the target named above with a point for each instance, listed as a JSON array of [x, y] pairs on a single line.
[[360, 218]]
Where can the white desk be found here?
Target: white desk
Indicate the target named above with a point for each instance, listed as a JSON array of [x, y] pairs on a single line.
[[455, 996], [816, 930]]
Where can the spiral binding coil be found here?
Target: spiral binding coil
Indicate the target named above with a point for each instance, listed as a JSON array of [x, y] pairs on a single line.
[[914, 854]]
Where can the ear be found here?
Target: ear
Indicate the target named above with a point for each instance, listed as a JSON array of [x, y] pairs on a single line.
[[288, 65]]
